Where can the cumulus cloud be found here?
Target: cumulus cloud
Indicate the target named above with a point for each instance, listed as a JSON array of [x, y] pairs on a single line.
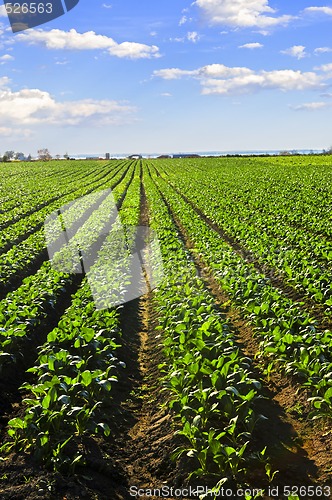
[[325, 67], [36, 107], [297, 51], [3, 12], [224, 80], [72, 40], [5, 58], [253, 45], [173, 73], [322, 50], [311, 106], [242, 13], [319, 10], [251, 13]]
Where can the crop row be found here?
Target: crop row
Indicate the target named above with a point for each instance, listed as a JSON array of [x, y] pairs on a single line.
[[298, 191], [288, 336], [235, 205], [212, 387], [32, 223], [20, 256], [39, 187], [77, 366], [27, 307]]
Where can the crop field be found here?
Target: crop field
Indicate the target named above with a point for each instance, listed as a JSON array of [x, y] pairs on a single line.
[[216, 381]]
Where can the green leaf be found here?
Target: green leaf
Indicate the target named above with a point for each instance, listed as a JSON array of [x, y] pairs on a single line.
[[16, 423], [86, 377], [328, 395]]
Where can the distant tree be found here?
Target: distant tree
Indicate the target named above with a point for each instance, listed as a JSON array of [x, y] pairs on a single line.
[[9, 155], [29, 157], [66, 155], [44, 154], [19, 156], [57, 157]]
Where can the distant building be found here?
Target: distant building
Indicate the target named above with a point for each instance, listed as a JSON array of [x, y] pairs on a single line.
[[107, 156]]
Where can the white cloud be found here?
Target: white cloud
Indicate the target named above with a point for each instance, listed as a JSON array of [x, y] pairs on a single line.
[[297, 51], [223, 80], [6, 58], [319, 10], [107, 6], [322, 50], [242, 13], [253, 45], [193, 36], [311, 106], [37, 107], [173, 73], [222, 71], [183, 20], [166, 94], [325, 67], [3, 12], [72, 40]]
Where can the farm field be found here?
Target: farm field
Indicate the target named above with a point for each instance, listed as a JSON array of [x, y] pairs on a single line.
[[220, 377]]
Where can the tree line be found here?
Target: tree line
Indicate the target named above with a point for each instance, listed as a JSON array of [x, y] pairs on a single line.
[[43, 155]]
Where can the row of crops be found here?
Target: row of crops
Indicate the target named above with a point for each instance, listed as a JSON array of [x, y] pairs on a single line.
[[287, 332], [261, 228]]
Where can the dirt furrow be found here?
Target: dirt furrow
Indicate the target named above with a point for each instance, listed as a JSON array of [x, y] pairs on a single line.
[[144, 441]]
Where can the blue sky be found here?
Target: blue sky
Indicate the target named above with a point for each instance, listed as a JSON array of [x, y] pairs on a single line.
[[168, 76]]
